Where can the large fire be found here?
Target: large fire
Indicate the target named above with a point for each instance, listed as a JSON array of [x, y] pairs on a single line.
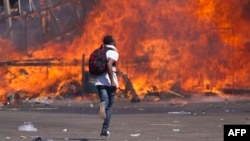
[[200, 45]]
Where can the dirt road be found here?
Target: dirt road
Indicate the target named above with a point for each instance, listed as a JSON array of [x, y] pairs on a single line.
[[144, 121]]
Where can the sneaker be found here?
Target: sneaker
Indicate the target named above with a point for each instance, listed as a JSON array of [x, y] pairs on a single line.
[[102, 111], [105, 134]]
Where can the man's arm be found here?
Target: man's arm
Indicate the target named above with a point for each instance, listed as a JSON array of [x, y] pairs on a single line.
[[110, 72]]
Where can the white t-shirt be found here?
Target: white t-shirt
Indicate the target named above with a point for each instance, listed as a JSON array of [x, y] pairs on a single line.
[[104, 78]]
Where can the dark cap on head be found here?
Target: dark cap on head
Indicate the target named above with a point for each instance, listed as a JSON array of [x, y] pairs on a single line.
[[108, 40]]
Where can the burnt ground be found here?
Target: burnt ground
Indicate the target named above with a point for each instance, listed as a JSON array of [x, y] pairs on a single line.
[[143, 121]]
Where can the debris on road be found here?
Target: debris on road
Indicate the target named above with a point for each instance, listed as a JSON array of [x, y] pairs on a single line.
[[180, 113], [27, 126], [135, 135], [176, 130]]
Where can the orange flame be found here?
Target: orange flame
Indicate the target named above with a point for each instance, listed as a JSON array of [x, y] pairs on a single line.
[[201, 45]]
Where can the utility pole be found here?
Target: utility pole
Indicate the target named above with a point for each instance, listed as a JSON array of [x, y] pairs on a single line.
[[8, 12]]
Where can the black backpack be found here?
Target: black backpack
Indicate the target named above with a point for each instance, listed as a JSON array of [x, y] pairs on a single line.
[[98, 61]]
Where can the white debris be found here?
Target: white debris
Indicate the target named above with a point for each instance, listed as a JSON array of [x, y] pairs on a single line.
[[135, 135], [27, 126], [65, 130], [91, 105], [176, 130], [180, 113]]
